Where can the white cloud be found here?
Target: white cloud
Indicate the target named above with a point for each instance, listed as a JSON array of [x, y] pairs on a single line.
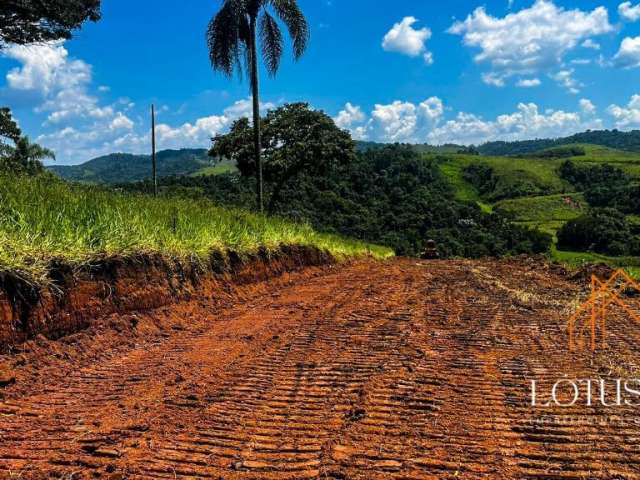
[[529, 82], [404, 121], [626, 116], [529, 41], [628, 55], [403, 38], [587, 107], [565, 79], [120, 134], [45, 68], [59, 83], [590, 43], [84, 127], [394, 122], [629, 12], [425, 123], [526, 123], [350, 116]]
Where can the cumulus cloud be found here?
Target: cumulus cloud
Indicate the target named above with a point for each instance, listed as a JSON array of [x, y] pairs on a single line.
[[58, 82], [397, 121], [529, 41], [628, 115], [628, 55], [587, 107], [79, 126], [526, 123], [629, 12], [120, 135], [425, 123], [403, 38], [565, 79], [351, 118], [528, 82], [590, 43]]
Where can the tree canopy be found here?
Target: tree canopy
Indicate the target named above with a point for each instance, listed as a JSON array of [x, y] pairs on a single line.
[[33, 21], [295, 139], [17, 153], [231, 33]]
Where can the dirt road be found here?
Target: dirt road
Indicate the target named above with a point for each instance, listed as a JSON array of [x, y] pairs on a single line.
[[404, 369]]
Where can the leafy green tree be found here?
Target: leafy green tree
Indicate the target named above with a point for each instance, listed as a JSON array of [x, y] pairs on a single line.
[[34, 21], [25, 157], [295, 140], [602, 230], [8, 127], [231, 38], [9, 132]]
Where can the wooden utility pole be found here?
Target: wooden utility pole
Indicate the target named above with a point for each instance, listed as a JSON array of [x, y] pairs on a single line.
[[153, 150]]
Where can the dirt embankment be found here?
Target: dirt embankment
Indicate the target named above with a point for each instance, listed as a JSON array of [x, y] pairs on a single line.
[[77, 298]]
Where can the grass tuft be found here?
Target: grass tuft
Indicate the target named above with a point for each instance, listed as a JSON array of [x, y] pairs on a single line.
[[43, 218]]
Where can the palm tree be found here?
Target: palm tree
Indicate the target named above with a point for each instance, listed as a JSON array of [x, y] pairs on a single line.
[[231, 38], [25, 157]]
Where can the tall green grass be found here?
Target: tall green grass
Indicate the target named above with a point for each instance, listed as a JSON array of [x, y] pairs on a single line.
[[43, 218]]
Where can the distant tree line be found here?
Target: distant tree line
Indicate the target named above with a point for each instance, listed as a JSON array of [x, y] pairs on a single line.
[[629, 141], [611, 194]]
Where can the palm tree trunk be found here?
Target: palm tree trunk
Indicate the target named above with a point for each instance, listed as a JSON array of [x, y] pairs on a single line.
[[256, 113]]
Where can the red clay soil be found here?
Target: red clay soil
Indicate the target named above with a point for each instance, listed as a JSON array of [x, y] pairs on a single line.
[[375, 370]]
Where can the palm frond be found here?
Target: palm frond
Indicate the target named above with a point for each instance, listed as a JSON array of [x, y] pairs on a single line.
[[223, 37], [290, 14], [272, 43]]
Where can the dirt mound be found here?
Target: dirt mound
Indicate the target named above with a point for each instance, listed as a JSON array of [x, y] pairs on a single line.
[[585, 272], [78, 297]]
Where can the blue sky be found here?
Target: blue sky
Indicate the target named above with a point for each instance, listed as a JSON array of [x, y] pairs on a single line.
[[402, 70]]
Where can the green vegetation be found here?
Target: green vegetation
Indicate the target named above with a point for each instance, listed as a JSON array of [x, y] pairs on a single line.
[[37, 21], [628, 141], [389, 196], [548, 184], [559, 207], [42, 218], [232, 39], [603, 231], [17, 153], [288, 150], [122, 167]]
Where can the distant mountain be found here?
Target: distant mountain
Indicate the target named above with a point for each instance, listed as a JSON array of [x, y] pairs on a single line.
[[124, 167], [363, 146], [629, 141]]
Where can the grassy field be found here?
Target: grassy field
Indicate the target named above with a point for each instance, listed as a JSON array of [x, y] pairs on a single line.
[[225, 166], [549, 211], [43, 218]]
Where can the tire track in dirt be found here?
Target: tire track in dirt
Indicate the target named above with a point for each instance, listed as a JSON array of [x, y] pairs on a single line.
[[403, 369]]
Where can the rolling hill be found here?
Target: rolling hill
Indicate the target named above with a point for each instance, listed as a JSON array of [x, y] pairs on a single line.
[[124, 167], [629, 141]]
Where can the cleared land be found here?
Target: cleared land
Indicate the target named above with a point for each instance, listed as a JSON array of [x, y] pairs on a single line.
[[399, 369]]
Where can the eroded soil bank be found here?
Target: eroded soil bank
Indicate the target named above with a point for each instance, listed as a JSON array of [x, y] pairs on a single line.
[[79, 297]]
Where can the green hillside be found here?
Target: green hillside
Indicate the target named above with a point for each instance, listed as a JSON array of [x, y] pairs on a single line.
[[628, 141], [528, 188], [123, 167]]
